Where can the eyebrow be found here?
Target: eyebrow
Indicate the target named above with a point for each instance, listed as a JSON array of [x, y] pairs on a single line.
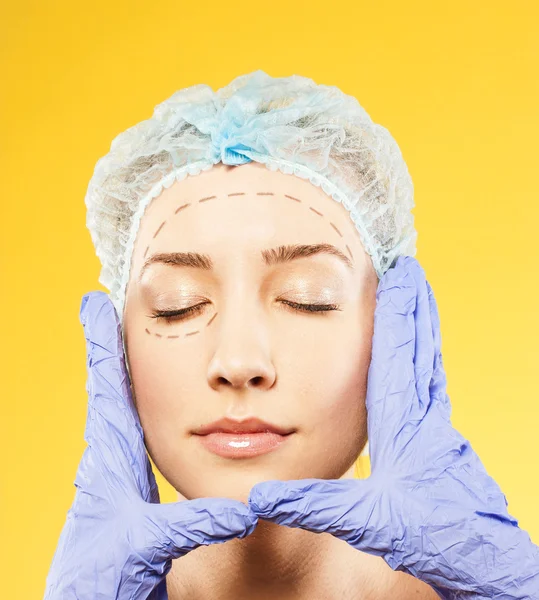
[[273, 256]]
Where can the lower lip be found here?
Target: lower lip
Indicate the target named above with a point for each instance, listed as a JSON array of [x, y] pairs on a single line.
[[242, 445]]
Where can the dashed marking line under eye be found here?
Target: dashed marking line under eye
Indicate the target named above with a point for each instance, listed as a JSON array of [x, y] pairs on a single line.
[[237, 194], [173, 337], [207, 198], [265, 194]]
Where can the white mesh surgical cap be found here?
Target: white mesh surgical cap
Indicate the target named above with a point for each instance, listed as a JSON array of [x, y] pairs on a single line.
[[289, 124]]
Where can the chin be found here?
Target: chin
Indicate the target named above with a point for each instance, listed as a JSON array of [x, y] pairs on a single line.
[[234, 481]]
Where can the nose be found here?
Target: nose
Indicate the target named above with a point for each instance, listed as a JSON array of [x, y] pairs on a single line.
[[242, 359]]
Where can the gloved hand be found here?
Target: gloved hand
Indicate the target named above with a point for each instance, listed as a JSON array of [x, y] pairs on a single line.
[[118, 542], [429, 507]]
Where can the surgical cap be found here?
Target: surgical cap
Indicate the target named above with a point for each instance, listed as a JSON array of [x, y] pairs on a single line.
[[290, 124]]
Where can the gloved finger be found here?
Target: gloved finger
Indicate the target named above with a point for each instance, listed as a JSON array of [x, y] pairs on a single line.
[[186, 525], [402, 359], [438, 384], [424, 342], [116, 447], [348, 509], [391, 389]]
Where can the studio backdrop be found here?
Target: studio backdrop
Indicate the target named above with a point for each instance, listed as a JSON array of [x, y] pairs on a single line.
[[455, 84]]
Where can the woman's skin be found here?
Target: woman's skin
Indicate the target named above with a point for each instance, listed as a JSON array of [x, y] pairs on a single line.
[[247, 353]]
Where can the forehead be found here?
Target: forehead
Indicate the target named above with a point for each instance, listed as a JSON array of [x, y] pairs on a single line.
[[237, 211], [246, 194]]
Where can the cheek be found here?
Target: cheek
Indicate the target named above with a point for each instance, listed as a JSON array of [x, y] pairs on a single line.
[[339, 406], [330, 379], [163, 374], [340, 428], [334, 369]]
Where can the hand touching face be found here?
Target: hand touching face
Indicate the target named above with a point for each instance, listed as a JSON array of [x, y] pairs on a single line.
[[269, 314]]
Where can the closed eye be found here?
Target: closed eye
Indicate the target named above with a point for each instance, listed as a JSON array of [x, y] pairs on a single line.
[[171, 316], [322, 308]]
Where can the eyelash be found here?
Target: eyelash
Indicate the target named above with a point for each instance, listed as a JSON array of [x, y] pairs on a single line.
[[168, 315]]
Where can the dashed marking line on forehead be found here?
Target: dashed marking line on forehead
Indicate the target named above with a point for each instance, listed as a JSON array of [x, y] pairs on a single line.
[[159, 229], [181, 207], [205, 199], [334, 227]]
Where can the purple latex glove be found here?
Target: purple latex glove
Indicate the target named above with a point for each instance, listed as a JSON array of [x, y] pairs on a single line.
[[118, 542], [429, 507]]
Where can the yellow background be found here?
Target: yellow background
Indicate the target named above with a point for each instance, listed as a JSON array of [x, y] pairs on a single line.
[[455, 83]]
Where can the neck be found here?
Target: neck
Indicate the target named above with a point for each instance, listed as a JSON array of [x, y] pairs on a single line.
[[283, 562]]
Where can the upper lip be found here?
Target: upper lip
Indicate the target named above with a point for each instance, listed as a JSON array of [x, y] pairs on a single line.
[[251, 425]]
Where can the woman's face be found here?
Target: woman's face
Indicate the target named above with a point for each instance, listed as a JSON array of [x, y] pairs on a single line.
[[248, 350]]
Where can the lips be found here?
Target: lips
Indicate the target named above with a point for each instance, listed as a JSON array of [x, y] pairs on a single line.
[[242, 439], [251, 425]]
